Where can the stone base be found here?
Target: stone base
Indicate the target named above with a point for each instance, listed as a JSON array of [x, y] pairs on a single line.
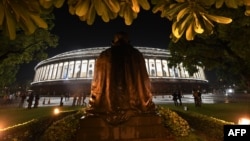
[[138, 128]]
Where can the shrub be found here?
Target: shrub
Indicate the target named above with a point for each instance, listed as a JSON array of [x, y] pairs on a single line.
[[64, 129], [64, 126], [213, 127], [31, 130], [172, 120]]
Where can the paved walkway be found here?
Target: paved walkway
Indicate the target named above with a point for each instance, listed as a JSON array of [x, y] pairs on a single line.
[[161, 99]]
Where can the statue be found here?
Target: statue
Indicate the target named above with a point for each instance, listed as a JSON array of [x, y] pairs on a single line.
[[121, 86]]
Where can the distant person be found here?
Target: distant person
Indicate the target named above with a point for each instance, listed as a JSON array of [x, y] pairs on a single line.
[[175, 98], [197, 98], [74, 100], [67, 96], [121, 84], [79, 100], [30, 99], [83, 99], [37, 97], [179, 96], [43, 101], [61, 100]]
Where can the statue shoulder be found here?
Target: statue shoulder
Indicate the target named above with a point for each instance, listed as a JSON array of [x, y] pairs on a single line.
[[105, 52]]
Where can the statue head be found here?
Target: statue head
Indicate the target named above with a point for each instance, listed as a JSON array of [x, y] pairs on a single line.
[[121, 37]]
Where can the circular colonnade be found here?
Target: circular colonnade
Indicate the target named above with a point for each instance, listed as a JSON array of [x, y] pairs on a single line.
[[71, 72]]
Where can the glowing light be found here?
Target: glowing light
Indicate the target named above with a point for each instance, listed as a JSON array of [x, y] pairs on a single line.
[[1, 127], [230, 90], [244, 121], [56, 111], [14, 126]]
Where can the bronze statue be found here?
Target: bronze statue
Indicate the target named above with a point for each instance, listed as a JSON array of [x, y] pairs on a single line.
[[120, 87]]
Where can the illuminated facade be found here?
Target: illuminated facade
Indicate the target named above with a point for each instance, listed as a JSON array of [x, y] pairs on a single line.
[[72, 72]]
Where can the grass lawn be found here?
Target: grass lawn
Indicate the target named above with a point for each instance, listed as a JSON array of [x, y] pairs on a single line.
[[228, 112], [13, 116], [225, 111]]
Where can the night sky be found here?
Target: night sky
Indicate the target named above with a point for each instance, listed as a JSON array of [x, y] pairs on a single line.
[[149, 30]]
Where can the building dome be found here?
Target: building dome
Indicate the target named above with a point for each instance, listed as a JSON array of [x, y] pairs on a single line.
[[72, 72]]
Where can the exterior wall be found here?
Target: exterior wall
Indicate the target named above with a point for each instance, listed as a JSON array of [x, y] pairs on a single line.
[[84, 69], [74, 71]]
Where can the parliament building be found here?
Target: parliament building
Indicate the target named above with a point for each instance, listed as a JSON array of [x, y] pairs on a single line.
[[71, 72]]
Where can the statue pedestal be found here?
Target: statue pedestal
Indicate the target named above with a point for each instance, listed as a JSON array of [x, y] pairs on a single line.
[[138, 128]]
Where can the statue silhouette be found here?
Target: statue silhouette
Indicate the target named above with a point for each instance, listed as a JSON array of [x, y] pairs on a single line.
[[120, 87]]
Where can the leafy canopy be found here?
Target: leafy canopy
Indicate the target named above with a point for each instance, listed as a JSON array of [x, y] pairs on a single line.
[[23, 49], [226, 51], [191, 17]]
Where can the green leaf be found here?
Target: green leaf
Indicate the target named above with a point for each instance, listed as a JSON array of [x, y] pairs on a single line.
[[39, 21], [10, 25], [1, 13], [45, 3], [58, 3]]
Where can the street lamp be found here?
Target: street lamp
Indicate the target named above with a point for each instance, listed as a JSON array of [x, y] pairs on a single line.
[[244, 121], [56, 111]]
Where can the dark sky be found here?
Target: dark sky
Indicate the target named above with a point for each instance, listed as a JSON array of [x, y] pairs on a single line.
[[148, 30]]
